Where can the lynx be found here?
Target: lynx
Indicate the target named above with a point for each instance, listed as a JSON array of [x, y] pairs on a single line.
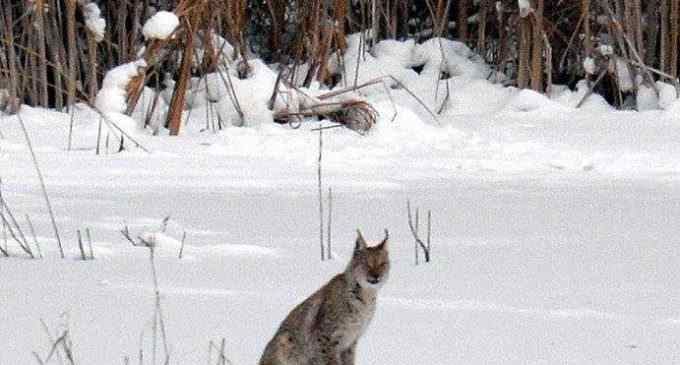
[[325, 328]]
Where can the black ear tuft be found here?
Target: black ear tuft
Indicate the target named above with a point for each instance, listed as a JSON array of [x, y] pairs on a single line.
[[384, 245], [360, 243]]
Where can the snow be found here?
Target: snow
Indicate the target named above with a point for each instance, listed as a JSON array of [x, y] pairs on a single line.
[[554, 235], [219, 44], [624, 78], [401, 51], [160, 26], [455, 58], [667, 94], [524, 8], [94, 22], [112, 97], [606, 49], [589, 65], [253, 94], [646, 98]]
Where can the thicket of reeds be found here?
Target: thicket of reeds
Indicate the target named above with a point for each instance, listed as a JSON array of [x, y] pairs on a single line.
[[48, 57]]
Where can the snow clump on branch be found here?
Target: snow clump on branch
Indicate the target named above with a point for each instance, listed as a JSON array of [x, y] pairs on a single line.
[[94, 22], [112, 98], [160, 26]]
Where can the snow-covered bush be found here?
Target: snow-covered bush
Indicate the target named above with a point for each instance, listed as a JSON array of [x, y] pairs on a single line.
[[111, 99]]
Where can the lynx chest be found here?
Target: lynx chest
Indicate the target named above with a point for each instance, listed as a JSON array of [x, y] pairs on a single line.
[[360, 311]]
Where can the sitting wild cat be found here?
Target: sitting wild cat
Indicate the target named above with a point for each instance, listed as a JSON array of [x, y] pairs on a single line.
[[325, 328]]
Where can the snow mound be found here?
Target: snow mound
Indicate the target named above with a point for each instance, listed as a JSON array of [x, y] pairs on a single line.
[[452, 57], [466, 97], [529, 101], [113, 95], [673, 110], [168, 246], [402, 52], [571, 99], [111, 99], [667, 94], [252, 94], [646, 98]]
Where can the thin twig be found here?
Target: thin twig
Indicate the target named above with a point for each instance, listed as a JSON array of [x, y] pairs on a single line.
[[50, 338], [429, 230], [329, 254], [89, 242], [232, 93], [319, 182], [158, 309], [70, 129], [80, 246], [55, 346], [414, 231], [13, 226], [112, 125], [181, 247], [592, 87], [99, 135], [376, 81], [35, 238], [4, 226], [42, 185]]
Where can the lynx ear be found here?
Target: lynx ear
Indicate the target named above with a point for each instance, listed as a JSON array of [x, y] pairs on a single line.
[[384, 244], [360, 243]]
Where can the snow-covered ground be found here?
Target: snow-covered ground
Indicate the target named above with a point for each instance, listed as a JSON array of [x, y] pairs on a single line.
[[555, 238]]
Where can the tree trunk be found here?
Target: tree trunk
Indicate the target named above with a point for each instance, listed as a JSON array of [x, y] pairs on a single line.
[[585, 15], [92, 65], [481, 37], [537, 48], [40, 14], [462, 25], [652, 32], [675, 28], [13, 104], [72, 59], [664, 47], [56, 49], [637, 24], [524, 53]]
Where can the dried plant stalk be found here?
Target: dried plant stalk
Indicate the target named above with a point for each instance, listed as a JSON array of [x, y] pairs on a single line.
[[72, 48], [179, 94]]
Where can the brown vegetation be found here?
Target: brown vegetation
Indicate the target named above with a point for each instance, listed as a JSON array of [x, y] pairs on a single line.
[[48, 58]]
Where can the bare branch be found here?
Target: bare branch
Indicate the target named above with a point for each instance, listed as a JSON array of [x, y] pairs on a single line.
[[414, 231]]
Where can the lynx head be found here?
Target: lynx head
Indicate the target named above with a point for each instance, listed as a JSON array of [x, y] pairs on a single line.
[[370, 266]]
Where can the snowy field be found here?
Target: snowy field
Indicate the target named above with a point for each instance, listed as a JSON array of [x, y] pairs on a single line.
[[555, 238], [555, 231]]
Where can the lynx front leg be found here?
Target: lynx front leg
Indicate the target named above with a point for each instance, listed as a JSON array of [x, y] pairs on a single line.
[[328, 353], [347, 356]]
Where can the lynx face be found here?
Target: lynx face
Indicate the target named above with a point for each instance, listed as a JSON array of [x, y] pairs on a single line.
[[370, 265]]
